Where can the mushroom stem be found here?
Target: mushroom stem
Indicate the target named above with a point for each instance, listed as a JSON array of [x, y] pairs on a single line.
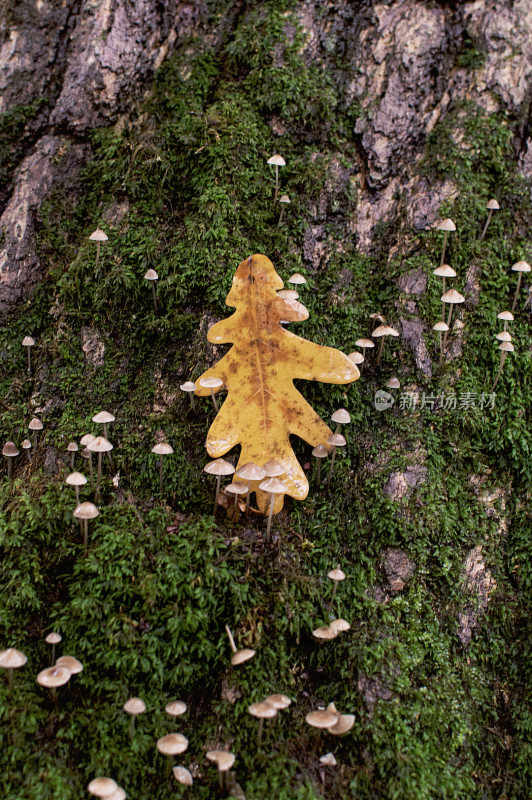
[[9, 469], [441, 349], [72, 462], [333, 454], [379, 354], [276, 182], [261, 726], [335, 586], [97, 253], [132, 726], [448, 327], [35, 432], [90, 469], [443, 304], [29, 454], [215, 404], [231, 640], [85, 535], [161, 474], [270, 515], [445, 235], [490, 212], [248, 496], [517, 292], [99, 477], [318, 476], [501, 364], [53, 655], [278, 224], [154, 297], [29, 361], [218, 480], [10, 682]]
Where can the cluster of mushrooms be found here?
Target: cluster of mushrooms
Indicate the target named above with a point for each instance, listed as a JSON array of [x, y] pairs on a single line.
[[57, 674]]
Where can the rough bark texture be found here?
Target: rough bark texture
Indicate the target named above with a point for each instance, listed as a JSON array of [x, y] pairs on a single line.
[[85, 63]]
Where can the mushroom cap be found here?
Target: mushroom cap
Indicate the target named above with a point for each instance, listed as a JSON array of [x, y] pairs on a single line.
[[12, 658], [321, 719], [325, 632], [521, 266], [340, 625], [102, 787], [345, 723], [172, 744], [336, 574], [337, 440], [53, 638], [364, 343], [10, 450], [26, 444], [273, 486], [175, 708], [98, 236], [504, 336], [356, 357], [210, 383], [120, 794], [237, 488], [100, 445], [297, 278], [508, 346], [35, 424], [393, 383], [452, 296], [278, 701], [242, 655], [277, 160], [288, 294], [72, 447], [385, 330], [251, 472], [492, 205], [329, 760], [182, 775], [445, 271], [87, 439], [162, 449], [446, 225], [505, 315], [222, 758], [188, 386], [342, 416], [219, 467], [284, 199], [320, 451], [273, 468], [377, 316], [262, 710], [76, 479], [70, 663], [440, 326], [134, 706], [151, 275], [28, 341], [53, 676], [103, 416], [86, 510]]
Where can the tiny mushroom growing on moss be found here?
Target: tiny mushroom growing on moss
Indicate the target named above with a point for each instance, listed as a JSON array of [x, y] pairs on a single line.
[[452, 297], [393, 383], [29, 342], [52, 677], [382, 331], [212, 384], [103, 418], [10, 451], [102, 787], [98, 236], [236, 489], [272, 486], [441, 327], [35, 426], [285, 200], [189, 387], [239, 656], [365, 344], [335, 441], [99, 445], [134, 706], [342, 417], [85, 512], [321, 719], [445, 271], [26, 445], [297, 279], [183, 776], [218, 467], [73, 664], [224, 761], [491, 206], [329, 760], [504, 336], [76, 479], [175, 708], [504, 347], [11, 659], [520, 267], [506, 316], [279, 701], [325, 632], [85, 441], [172, 744], [72, 448], [356, 357], [446, 225], [162, 449], [340, 625], [250, 472], [319, 452], [262, 711], [276, 161], [151, 276], [53, 639], [336, 576]]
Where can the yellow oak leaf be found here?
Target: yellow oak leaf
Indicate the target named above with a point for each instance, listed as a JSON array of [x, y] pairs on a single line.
[[263, 407]]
